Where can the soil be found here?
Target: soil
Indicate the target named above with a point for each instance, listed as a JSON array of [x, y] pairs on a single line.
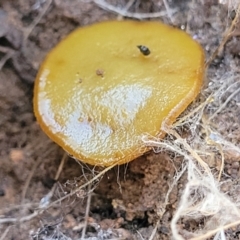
[[129, 200]]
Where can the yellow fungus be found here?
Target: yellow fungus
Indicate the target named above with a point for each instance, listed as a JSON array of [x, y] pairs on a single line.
[[105, 86]]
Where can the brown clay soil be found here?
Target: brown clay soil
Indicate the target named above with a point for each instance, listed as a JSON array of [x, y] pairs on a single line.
[[127, 201]]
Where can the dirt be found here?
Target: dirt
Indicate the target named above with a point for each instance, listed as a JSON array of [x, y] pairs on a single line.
[[129, 200]]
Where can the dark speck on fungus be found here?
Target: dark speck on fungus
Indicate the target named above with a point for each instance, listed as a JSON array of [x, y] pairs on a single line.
[[144, 50]]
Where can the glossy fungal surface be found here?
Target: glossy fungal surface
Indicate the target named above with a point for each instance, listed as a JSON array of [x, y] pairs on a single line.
[[97, 94]]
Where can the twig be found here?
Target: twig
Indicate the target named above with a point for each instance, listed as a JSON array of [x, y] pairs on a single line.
[[26, 185], [3, 237], [128, 5], [163, 208], [46, 199], [25, 205], [154, 230], [190, 150], [126, 8], [169, 11], [227, 35], [212, 232], [31, 174], [123, 12], [64, 157], [82, 186], [211, 141], [118, 181], [87, 212], [140, 235], [9, 53], [4, 49], [188, 18], [193, 111], [29, 29], [225, 103], [22, 219]]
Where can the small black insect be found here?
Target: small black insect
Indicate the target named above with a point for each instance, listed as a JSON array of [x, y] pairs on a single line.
[[144, 50]]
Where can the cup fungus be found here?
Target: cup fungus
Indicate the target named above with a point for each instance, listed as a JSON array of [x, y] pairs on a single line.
[[105, 86]]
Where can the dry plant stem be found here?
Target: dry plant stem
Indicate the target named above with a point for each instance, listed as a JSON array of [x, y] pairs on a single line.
[[87, 212], [226, 36], [163, 208], [176, 179], [4, 49], [81, 187], [187, 206], [125, 170], [188, 18], [22, 219], [205, 103], [118, 182], [169, 13], [140, 235], [60, 168], [156, 143], [126, 8], [212, 142], [235, 34], [190, 150], [29, 29], [29, 178], [194, 111], [128, 5], [25, 188], [178, 150], [222, 159], [15, 207], [154, 230], [38, 212], [123, 12], [228, 145], [212, 232], [9, 53], [225, 103], [224, 87], [3, 237]]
